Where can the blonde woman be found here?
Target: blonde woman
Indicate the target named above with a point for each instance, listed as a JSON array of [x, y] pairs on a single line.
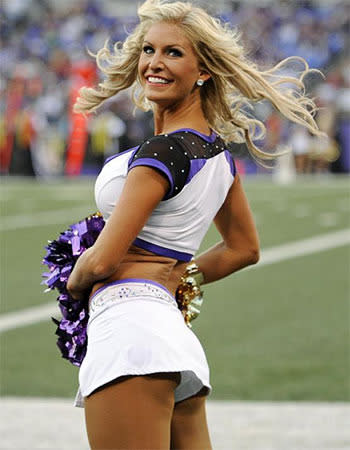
[[145, 377]]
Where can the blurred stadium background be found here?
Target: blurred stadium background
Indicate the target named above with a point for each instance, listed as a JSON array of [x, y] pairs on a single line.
[[278, 332], [44, 62]]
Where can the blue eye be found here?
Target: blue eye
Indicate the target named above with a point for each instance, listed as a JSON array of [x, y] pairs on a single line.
[[175, 52], [147, 49]]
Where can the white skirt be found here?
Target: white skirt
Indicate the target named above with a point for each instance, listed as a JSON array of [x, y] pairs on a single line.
[[136, 328]]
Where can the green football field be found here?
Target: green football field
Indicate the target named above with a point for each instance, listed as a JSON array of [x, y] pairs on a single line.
[[278, 331]]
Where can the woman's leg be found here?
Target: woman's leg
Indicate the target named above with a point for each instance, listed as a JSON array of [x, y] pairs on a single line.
[[189, 428], [134, 413]]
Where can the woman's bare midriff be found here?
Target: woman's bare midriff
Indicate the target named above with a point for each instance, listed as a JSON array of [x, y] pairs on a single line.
[[139, 263]]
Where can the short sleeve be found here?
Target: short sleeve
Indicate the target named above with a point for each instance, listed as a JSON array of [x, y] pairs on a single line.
[[165, 155], [231, 162]]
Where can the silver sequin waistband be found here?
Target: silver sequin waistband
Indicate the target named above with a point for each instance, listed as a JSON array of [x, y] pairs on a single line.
[[126, 291]]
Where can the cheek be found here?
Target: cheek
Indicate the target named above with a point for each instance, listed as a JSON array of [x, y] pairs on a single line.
[[188, 78], [189, 73]]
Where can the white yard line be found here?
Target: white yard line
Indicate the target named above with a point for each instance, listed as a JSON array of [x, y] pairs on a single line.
[[271, 255], [27, 316], [304, 247]]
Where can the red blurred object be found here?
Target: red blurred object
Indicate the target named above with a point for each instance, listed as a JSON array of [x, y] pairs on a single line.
[[14, 100], [82, 74]]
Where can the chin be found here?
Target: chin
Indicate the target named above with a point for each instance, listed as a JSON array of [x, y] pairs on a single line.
[[161, 99]]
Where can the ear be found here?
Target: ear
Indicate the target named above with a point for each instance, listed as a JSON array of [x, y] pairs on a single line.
[[204, 74]]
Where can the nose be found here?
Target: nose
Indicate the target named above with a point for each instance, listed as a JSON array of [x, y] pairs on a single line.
[[156, 62]]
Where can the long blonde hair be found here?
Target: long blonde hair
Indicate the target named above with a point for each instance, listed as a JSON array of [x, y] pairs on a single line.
[[235, 85]]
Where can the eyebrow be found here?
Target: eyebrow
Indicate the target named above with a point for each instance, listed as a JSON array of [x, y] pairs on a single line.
[[167, 46]]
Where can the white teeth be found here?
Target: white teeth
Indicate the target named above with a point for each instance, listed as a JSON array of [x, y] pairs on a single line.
[[157, 80]]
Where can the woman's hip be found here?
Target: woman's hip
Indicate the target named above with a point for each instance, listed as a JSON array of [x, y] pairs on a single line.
[[131, 295]]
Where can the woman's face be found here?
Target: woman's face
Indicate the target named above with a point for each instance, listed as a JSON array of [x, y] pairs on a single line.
[[168, 67]]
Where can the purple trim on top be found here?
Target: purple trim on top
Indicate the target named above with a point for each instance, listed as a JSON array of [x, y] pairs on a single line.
[[207, 138], [231, 162], [136, 149], [119, 154], [196, 166], [163, 251], [130, 280], [158, 165]]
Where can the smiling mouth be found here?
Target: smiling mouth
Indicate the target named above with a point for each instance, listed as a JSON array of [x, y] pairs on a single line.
[[157, 81]]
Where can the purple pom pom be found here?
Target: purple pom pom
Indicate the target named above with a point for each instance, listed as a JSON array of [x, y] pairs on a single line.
[[60, 259]]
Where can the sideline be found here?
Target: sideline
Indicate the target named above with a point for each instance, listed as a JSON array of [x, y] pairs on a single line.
[[327, 241], [53, 423]]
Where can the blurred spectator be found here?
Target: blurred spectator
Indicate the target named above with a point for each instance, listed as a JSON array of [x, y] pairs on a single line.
[[43, 53], [300, 142], [341, 81]]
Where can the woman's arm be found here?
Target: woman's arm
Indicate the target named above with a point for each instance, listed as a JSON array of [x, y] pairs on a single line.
[[240, 245], [144, 189]]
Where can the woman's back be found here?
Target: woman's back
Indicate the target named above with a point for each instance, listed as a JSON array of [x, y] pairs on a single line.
[[200, 171]]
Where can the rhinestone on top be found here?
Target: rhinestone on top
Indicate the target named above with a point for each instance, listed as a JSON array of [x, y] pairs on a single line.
[[197, 146]]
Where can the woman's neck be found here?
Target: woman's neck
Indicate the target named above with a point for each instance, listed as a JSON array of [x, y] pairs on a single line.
[[167, 120]]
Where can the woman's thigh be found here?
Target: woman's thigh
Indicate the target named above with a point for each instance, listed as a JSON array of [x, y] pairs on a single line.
[[132, 413], [189, 428]]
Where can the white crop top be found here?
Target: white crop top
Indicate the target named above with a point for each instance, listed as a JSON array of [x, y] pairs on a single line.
[[200, 171]]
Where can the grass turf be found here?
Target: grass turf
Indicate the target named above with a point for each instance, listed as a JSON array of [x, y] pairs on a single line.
[[277, 332]]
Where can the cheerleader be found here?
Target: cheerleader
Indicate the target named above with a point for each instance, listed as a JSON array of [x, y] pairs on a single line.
[[145, 377]]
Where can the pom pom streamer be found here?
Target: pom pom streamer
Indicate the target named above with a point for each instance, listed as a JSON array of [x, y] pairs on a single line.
[[62, 254], [189, 298]]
